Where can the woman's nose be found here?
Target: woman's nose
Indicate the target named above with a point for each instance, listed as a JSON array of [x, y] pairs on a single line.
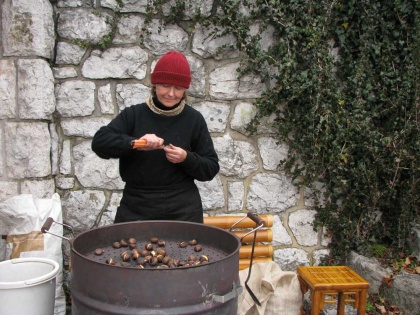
[[171, 91]]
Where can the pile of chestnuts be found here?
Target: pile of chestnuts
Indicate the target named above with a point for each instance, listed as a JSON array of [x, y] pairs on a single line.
[[153, 254]]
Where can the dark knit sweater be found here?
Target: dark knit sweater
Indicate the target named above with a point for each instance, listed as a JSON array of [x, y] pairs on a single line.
[[187, 130]]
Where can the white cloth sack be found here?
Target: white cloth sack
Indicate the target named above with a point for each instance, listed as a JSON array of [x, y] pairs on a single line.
[[277, 291], [21, 219]]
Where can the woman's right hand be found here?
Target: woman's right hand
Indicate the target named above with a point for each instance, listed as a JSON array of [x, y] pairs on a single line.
[[153, 142]]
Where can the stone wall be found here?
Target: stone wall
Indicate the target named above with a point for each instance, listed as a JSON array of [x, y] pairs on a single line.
[[56, 94]]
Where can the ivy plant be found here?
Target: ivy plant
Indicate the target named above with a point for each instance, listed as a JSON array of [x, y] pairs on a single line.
[[343, 84]]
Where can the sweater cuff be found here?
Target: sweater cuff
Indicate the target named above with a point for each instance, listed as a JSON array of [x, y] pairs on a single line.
[[189, 159]]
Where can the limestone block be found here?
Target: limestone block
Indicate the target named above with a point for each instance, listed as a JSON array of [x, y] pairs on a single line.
[[236, 193], [85, 25], [64, 73], [271, 193], [75, 3], [54, 148], [280, 234], [236, 158], [301, 224], [370, 269], [69, 54], [129, 5], [81, 207], [215, 114], [64, 182], [35, 97], [272, 152], [225, 84], [108, 216], [106, 102], [290, 258], [8, 189], [206, 45], [28, 148], [243, 114], [211, 193], [83, 127], [129, 29], [404, 293], [164, 38], [28, 28], [198, 77], [325, 237], [203, 7], [75, 98], [266, 35], [119, 63], [38, 188], [94, 172], [131, 94], [65, 158], [7, 89], [318, 255], [1, 155]]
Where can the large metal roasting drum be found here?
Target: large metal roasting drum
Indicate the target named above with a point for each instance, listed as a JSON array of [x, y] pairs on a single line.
[[99, 288]]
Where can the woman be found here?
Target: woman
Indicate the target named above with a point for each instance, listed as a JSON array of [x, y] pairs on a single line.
[[159, 177]]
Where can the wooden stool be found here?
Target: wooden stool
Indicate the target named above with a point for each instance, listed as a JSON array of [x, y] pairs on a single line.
[[333, 280]]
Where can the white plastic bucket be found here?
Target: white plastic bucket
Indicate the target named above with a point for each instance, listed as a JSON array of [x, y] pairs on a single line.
[[27, 286]]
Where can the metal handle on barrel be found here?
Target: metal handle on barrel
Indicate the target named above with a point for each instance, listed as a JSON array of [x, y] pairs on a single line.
[[49, 222], [259, 224]]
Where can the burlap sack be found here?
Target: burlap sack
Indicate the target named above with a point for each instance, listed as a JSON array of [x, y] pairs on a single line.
[[277, 291]]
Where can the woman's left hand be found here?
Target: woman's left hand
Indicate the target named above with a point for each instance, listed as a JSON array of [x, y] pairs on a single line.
[[174, 154]]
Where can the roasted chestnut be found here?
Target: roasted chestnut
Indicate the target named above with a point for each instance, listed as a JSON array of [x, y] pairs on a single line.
[[192, 242], [99, 251], [182, 263], [153, 261], [159, 258], [162, 267], [161, 251], [154, 239], [144, 252], [110, 261], [161, 243], [123, 243], [126, 256], [166, 260], [135, 253], [148, 258], [132, 240], [203, 258], [183, 244], [140, 266], [191, 258], [198, 248], [148, 246], [140, 261], [116, 245]]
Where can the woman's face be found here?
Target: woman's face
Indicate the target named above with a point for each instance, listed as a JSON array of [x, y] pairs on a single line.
[[169, 95]]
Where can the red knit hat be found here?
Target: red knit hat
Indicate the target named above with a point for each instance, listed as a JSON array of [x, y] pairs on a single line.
[[172, 68]]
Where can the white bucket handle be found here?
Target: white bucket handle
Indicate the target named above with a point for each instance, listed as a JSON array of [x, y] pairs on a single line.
[[44, 278]]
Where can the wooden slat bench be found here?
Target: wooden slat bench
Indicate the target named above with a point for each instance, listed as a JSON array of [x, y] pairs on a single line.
[[263, 250]]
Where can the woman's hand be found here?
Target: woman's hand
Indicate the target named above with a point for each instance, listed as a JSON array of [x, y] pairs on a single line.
[[175, 154], [153, 142]]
